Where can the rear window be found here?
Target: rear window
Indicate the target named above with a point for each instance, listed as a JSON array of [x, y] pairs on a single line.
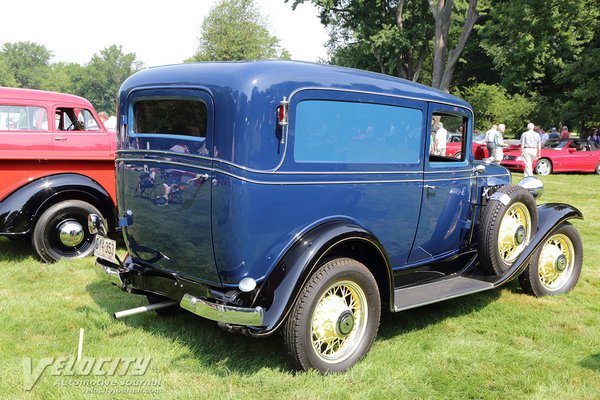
[[23, 118], [170, 117], [349, 132]]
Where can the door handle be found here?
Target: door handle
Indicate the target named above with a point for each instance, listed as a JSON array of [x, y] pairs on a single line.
[[60, 139], [429, 190]]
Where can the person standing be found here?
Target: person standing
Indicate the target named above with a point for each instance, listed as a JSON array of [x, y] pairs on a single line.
[[554, 134], [439, 143], [530, 148], [565, 133], [490, 138], [499, 144]]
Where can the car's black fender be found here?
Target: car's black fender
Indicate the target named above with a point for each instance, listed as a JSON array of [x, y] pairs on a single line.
[[21, 209], [331, 239], [550, 215]]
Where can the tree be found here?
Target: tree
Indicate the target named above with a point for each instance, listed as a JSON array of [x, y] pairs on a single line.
[[396, 36], [103, 75], [27, 61], [6, 76], [444, 60], [234, 30]]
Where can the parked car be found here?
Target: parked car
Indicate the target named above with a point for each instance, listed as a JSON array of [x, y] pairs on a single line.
[[57, 166], [454, 148], [309, 202], [571, 155]]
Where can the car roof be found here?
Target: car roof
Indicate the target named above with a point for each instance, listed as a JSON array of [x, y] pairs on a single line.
[[271, 78], [7, 93]]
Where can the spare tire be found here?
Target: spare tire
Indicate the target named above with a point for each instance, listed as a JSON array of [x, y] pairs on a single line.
[[509, 221]]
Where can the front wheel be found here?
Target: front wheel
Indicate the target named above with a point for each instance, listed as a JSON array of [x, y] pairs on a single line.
[[335, 320], [508, 224], [597, 171], [543, 167], [556, 267], [62, 231]]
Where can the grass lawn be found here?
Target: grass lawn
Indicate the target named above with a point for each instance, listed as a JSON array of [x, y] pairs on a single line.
[[494, 345]]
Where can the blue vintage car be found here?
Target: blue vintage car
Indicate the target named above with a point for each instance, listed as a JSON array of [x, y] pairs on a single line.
[[305, 199]]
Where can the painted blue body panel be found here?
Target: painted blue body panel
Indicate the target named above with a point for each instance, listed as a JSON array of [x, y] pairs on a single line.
[[257, 200]]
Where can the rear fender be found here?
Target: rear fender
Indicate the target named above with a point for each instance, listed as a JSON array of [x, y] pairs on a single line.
[[336, 238], [21, 209]]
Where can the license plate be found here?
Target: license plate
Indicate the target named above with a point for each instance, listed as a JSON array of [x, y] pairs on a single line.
[[106, 249]]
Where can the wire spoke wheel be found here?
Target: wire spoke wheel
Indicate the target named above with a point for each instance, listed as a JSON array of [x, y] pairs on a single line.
[[335, 320], [339, 321], [556, 266], [514, 233]]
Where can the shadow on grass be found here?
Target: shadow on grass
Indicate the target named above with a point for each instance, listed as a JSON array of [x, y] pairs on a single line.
[[223, 352], [220, 351], [15, 250], [591, 362], [395, 324]]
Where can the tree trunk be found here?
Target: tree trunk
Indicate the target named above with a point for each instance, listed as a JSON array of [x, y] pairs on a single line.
[[443, 69]]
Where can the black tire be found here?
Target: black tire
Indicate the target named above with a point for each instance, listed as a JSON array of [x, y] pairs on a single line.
[[458, 155], [520, 213], [597, 171], [163, 312], [328, 294], [555, 268], [543, 167], [46, 238]]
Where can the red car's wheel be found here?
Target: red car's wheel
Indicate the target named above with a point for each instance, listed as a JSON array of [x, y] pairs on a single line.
[[543, 167]]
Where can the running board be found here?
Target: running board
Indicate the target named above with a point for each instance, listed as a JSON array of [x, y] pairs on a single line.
[[445, 289]]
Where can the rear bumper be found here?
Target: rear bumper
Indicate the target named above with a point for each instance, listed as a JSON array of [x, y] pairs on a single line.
[[194, 297], [517, 166]]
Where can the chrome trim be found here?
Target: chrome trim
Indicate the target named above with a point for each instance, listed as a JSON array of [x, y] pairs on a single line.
[[110, 274], [534, 185], [223, 313], [501, 197]]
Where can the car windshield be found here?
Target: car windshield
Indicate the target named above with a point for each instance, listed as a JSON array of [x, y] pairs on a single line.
[[479, 137], [555, 144]]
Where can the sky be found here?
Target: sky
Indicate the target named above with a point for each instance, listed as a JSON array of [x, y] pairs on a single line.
[[158, 32]]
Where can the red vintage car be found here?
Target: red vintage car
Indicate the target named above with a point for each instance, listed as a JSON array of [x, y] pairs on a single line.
[[56, 166], [454, 146], [570, 155]]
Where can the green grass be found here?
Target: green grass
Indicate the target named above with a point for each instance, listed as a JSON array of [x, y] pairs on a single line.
[[500, 344]]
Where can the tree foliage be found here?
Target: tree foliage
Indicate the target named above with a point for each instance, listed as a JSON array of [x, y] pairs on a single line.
[[27, 61], [492, 104], [399, 37], [234, 30], [27, 64]]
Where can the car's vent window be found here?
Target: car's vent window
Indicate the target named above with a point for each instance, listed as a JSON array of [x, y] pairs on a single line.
[[170, 117], [348, 132], [23, 118]]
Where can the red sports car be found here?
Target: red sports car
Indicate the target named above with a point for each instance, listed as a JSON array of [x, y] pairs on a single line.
[[567, 155]]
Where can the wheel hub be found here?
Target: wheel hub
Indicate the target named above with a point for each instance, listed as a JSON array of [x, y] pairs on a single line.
[[71, 233], [520, 234], [561, 263], [345, 323]]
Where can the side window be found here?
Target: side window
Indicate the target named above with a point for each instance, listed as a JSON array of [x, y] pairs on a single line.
[[170, 117], [448, 137], [349, 132], [23, 118], [75, 119], [88, 120]]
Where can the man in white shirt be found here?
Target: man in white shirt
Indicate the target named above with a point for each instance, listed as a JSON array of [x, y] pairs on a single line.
[[530, 148], [490, 137], [439, 140], [499, 144]]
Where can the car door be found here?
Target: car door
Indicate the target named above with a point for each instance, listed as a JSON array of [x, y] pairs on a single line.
[[77, 134], [444, 216], [164, 168]]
